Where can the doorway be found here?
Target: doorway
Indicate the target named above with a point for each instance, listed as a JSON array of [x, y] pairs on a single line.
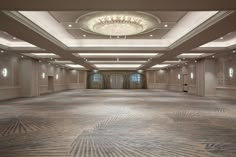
[[116, 81], [50, 83], [185, 83]]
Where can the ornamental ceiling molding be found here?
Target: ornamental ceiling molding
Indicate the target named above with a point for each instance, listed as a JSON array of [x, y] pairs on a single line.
[[118, 23]]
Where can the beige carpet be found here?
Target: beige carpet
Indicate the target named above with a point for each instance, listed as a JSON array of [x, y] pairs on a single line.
[[118, 123]]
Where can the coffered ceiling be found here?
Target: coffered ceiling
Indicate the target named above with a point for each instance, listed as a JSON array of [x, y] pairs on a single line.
[[141, 36]]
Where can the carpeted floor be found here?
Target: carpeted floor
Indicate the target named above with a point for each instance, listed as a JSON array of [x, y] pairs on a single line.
[[118, 123]]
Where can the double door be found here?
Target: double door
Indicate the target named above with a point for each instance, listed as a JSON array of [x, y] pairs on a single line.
[[116, 81]]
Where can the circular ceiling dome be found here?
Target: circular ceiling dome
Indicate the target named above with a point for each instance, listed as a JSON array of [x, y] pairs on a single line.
[[118, 23]]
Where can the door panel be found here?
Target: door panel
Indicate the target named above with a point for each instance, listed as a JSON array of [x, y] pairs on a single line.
[[50, 83], [185, 83], [116, 81]]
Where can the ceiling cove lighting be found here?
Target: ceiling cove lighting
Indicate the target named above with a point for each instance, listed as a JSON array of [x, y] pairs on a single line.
[[16, 43], [118, 23], [43, 54], [160, 65], [118, 54], [49, 24], [172, 62], [99, 62], [191, 54], [117, 65], [62, 62], [74, 65]]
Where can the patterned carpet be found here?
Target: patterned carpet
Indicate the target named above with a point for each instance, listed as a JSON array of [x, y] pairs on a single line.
[[118, 123]]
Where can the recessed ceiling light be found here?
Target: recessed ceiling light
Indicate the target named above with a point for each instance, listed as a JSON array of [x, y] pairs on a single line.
[[69, 25], [84, 35], [22, 56], [213, 56], [221, 38], [14, 38], [195, 61], [234, 51], [166, 25], [151, 35], [2, 51]]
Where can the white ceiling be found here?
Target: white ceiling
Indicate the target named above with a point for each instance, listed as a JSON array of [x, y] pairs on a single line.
[[187, 32]]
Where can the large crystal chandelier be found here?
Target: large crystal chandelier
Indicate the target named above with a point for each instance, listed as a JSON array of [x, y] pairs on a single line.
[[118, 23]]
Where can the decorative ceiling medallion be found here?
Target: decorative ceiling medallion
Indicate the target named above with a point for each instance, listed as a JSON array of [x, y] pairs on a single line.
[[118, 23]]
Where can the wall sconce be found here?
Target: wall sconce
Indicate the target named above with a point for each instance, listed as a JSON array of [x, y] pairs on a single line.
[[4, 72], [179, 76], [43, 75], [191, 75], [231, 72]]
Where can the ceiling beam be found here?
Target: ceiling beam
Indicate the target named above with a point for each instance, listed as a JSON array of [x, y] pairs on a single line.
[[166, 5], [214, 31], [20, 30]]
